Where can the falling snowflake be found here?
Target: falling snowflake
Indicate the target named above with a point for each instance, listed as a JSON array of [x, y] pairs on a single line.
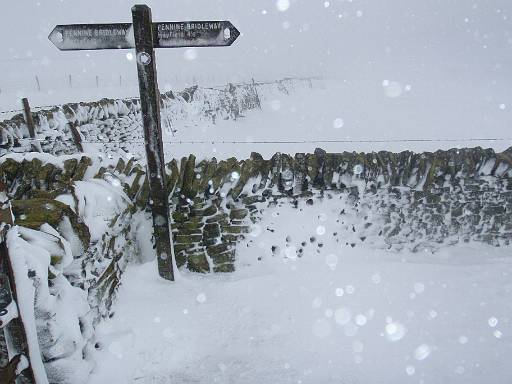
[[201, 298], [342, 316], [338, 123], [282, 5], [395, 331], [422, 352], [332, 261]]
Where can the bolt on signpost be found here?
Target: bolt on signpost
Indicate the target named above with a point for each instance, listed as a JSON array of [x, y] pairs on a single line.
[[144, 36]]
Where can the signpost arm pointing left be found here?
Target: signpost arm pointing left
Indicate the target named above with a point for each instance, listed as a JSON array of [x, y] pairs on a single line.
[[150, 106]]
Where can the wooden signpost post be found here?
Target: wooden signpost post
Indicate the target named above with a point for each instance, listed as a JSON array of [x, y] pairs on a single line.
[[144, 36]]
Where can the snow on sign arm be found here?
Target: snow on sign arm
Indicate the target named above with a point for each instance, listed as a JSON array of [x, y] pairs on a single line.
[[92, 36], [76, 37], [194, 34]]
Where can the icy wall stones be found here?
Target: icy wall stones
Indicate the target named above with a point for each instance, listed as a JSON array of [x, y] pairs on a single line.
[[114, 126], [392, 200], [57, 208]]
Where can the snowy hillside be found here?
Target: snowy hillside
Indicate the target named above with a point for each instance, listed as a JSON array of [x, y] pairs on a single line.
[[332, 193], [327, 314]]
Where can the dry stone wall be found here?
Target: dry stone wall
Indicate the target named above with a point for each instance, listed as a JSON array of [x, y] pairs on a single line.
[[50, 207], [392, 200], [114, 126]]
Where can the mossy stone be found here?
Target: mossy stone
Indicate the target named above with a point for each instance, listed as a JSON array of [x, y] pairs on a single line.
[[221, 218], [182, 247], [235, 229], [224, 268], [85, 162], [188, 239], [198, 262], [238, 213], [210, 210], [217, 249], [35, 212], [225, 257]]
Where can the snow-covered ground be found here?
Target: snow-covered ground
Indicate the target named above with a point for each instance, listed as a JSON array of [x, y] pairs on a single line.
[[359, 114], [333, 115], [336, 314], [364, 115]]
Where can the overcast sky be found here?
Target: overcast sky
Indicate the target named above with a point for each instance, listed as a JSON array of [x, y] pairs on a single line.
[[279, 37], [450, 60]]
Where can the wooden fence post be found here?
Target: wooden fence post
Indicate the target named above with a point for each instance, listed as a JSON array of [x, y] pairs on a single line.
[[77, 139], [258, 102], [36, 146]]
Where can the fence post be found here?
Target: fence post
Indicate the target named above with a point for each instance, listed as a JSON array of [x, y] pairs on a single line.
[[69, 81], [258, 102], [13, 329], [38, 84], [76, 135], [36, 146], [97, 81]]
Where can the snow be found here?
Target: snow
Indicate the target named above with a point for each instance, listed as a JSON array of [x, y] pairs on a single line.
[[397, 76], [335, 115], [343, 116], [336, 314], [8, 313], [54, 314], [99, 201], [23, 258]]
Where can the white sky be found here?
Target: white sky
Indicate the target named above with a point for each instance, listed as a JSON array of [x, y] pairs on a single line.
[[456, 55], [385, 36]]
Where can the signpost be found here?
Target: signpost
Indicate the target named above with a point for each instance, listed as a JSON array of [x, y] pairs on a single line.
[[144, 36], [76, 37]]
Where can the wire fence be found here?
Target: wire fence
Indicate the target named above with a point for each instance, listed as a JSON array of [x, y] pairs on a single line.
[[265, 142], [348, 141], [190, 83]]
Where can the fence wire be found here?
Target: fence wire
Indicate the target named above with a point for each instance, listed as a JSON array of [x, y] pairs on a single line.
[[348, 141]]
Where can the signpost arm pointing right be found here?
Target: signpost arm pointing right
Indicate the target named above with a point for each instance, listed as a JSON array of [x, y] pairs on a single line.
[[150, 110]]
